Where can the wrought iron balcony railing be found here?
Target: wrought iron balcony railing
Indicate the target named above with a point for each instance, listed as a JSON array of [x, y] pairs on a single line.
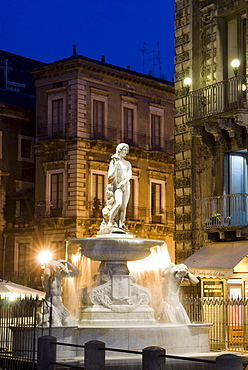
[[225, 211], [221, 97]]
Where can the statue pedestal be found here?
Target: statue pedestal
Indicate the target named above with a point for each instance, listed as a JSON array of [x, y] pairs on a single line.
[[119, 301]]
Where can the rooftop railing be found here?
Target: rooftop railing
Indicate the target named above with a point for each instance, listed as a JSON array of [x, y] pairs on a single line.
[[217, 98]]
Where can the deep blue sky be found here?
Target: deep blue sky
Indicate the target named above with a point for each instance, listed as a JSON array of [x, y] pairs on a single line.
[[46, 30]]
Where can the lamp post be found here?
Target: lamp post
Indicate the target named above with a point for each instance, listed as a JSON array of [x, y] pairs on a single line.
[[235, 63]]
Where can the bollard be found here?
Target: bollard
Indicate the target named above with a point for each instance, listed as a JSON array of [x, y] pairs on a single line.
[[94, 357], [46, 353], [229, 362], [151, 359]]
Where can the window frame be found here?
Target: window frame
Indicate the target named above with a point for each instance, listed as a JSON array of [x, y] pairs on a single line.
[[101, 96], [51, 99], [24, 159], [49, 188], [163, 205], [160, 112], [105, 178], [133, 107]]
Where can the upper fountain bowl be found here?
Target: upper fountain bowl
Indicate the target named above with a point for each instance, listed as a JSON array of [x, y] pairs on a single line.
[[115, 248]]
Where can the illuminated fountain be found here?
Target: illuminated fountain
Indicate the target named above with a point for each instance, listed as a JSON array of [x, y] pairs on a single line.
[[115, 309]]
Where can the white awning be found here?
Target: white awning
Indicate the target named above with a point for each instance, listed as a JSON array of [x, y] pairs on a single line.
[[217, 260]]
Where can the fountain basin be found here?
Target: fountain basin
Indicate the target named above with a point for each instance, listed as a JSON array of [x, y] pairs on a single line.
[[115, 247]]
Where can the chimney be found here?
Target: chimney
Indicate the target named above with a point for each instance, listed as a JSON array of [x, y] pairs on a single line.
[[103, 59], [74, 48], [128, 67]]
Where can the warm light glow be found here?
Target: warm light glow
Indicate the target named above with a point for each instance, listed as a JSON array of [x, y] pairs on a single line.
[[187, 81], [243, 87], [235, 63], [75, 258], [45, 257], [159, 259]]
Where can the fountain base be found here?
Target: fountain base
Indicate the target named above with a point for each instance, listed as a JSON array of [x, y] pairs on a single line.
[[176, 339], [95, 316]]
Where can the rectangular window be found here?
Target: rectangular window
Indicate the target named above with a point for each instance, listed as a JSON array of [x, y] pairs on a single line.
[[156, 132], [130, 206], [98, 187], [98, 119], [56, 194], [25, 148], [22, 258], [57, 116], [156, 202], [128, 125]]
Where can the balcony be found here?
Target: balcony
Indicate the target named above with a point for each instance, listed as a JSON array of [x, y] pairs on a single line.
[[225, 211], [217, 99]]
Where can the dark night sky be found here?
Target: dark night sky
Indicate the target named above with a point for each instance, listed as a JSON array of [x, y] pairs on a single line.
[[46, 30]]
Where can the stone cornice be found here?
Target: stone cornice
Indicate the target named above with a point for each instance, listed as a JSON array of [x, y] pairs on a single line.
[[75, 65]]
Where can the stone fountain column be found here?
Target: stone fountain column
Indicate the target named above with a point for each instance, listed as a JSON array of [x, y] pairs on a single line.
[[115, 298]]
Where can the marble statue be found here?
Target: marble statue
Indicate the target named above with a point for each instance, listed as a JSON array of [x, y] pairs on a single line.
[[172, 311], [118, 191], [52, 283]]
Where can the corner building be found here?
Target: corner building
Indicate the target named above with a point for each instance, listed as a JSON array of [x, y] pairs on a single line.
[[211, 120], [84, 109]]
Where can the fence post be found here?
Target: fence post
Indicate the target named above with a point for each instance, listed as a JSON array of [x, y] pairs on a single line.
[[229, 362], [94, 357], [151, 359], [46, 353]]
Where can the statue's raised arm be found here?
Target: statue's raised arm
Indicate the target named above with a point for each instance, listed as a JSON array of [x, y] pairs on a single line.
[[118, 190]]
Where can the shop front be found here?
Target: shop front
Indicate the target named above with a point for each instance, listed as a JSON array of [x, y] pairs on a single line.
[[222, 269]]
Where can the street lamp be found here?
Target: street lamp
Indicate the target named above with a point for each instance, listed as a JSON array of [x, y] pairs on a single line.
[[235, 63], [187, 83], [44, 257]]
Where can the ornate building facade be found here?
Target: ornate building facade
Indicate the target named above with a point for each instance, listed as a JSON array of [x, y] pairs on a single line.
[[84, 109], [211, 128]]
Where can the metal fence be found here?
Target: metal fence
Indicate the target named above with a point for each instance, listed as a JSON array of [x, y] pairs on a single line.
[[18, 328], [17, 333], [229, 318]]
